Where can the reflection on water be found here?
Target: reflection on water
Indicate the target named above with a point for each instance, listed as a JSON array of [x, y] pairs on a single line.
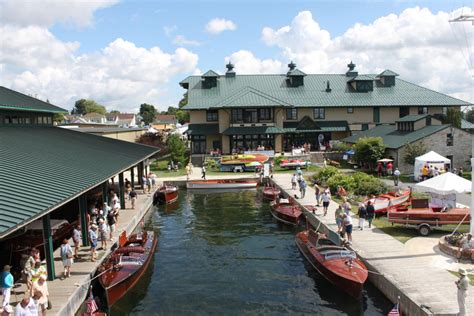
[[223, 254]]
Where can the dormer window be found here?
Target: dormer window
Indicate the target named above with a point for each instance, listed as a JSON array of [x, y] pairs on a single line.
[[387, 78], [209, 79], [362, 83], [295, 77]]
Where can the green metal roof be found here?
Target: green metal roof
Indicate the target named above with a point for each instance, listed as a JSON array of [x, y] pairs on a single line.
[[307, 125], [252, 130], [210, 73], [203, 129], [295, 72], [362, 78], [393, 138], [312, 93], [387, 73], [251, 97], [44, 167], [13, 100], [412, 118], [466, 124]]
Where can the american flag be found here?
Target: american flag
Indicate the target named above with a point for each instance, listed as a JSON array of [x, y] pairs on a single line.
[[394, 311], [91, 304]]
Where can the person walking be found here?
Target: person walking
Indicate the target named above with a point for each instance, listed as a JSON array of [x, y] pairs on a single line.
[[293, 181], [462, 284], [93, 241], [37, 271], [6, 284], [76, 238], [348, 227], [67, 258], [188, 171], [144, 184], [370, 213], [317, 193], [362, 216], [203, 172], [303, 188], [133, 198], [111, 221], [26, 272], [103, 234], [339, 218], [396, 177], [326, 198], [346, 206], [42, 287]]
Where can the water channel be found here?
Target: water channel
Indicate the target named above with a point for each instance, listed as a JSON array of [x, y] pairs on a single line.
[[224, 254]]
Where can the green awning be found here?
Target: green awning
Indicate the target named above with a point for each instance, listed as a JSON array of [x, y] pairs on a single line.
[[253, 130], [307, 125], [203, 129]]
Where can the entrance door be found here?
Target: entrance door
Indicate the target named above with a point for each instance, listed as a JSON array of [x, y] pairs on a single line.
[[404, 111]]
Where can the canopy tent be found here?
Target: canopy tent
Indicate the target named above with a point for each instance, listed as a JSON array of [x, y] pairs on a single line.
[[431, 159], [385, 160], [443, 188]]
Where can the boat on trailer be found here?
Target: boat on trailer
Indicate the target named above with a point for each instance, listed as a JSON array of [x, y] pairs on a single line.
[[337, 264], [222, 184], [271, 193], [294, 163], [383, 202], [286, 211], [124, 266], [166, 194]]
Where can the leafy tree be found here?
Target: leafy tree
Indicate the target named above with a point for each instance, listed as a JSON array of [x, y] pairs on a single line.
[[469, 115], [84, 106], [182, 116], [184, 100], [147, 112], [177, 148], [58, 117], [412, 151], [453, 117], [171, 110], [368, 150], [114, 112]]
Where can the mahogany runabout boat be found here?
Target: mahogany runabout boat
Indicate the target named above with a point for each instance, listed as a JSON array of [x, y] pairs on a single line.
[[271, 193], [338, 265], [429, 216], [166, 194], [222, 184], [122, 269], [383, 202], [286, 211]]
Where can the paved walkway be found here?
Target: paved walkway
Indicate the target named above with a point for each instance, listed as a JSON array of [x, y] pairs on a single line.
[[66, 295], [418, 276]]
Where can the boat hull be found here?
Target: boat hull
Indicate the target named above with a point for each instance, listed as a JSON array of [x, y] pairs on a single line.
[[286, 213], [221, 184], [416, 216], [271, 193], [166, 195], [335, 271], [384, 202], [118, 283]]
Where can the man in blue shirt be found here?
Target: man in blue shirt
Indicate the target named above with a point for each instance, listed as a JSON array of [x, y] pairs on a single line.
[[6, 284]]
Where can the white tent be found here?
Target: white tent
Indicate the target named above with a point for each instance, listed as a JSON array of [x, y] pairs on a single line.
[[431, 159], [443, 188]]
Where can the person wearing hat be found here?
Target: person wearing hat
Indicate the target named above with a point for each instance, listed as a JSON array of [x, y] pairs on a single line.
[[103, 233], [93, 240], [6, 284], [462, 285], [66, 257], [42, 287]]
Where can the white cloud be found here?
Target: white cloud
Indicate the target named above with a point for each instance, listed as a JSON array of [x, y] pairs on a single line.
[[181, 40], [34, 61], [48, 12], [246, 63], [423, 47], [218, 25], [169, 30]]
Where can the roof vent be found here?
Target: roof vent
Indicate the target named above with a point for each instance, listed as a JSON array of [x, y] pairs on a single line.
[[351, 72], [230, 70], [328, 86]]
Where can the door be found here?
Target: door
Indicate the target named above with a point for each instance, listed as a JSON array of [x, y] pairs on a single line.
[[376, 115], [404, 111]]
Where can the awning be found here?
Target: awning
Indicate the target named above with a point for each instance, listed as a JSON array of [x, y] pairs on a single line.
[[253, 130], [203, 129], [307, 125]]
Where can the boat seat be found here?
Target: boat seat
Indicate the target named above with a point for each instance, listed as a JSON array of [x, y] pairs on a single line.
[[130, 260], [129, 249]]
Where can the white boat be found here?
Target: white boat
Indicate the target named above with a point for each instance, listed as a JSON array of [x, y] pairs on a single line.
[[222, 184]]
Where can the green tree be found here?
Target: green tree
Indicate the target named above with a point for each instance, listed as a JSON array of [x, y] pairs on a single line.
[[177, 148], [182, 116], [368, 150], [84, 106], [114, 112], [171, 110], [184, 100], [469, 115], [412, 151], [148, 113], [58, 117], [453, 117]]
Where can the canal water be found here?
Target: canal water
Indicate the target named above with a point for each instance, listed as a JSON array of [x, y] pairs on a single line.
[[222, 253]]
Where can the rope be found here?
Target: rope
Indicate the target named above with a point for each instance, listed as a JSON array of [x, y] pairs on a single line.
[[98, 275], [457, 227]]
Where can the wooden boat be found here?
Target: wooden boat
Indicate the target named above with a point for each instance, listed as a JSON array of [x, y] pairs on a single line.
[[286, 211], [338, 265], [383, 202], [243, 159], [165, 194], [222, 184], [271, 193], [415, 216], [124, 267], [293, 163]]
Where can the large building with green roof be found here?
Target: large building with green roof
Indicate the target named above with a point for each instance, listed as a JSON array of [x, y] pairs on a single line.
[[233, 112]]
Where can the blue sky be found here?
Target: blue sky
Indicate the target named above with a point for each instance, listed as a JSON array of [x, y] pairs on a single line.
[[156, 24]]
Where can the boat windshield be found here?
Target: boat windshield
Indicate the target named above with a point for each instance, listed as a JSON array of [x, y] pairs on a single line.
[[129, 260], [335, 254]]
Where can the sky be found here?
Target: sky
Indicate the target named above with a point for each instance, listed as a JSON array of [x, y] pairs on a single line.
[[122, 53]]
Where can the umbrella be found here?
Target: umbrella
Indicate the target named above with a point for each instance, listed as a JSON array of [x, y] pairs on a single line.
[[385, 160]]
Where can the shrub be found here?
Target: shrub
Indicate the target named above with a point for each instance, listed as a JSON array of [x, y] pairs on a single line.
[[211, 164], [339, 179], [324, 174], [370, 186], [368, 150], [177, 149], [341, 147], [277, 160]]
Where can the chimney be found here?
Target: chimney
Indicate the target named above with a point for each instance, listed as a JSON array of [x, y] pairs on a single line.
[[328, 86], [230, 70]]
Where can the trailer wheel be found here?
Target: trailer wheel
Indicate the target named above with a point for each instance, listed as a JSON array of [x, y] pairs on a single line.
[[424, 229]]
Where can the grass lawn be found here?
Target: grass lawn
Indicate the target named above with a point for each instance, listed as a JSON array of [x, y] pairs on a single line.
[[311, 168], [469, 275], [160, 168]]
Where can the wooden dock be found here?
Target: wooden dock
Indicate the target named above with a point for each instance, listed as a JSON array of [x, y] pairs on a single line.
[[425, 287]]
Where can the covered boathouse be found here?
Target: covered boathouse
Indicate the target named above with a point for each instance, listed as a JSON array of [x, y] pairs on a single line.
[[50, 175]]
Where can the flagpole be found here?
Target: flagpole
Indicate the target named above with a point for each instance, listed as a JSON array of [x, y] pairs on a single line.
[[472, 196]]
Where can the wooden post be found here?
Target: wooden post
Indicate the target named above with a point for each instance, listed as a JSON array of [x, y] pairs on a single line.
[[83, 217], [132, 177], [48, 247], [121, 191], [105, 193]]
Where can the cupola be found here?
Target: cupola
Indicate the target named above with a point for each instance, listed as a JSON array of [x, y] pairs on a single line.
[[209, 79], [294, 76], [230, 70], [351, 72]]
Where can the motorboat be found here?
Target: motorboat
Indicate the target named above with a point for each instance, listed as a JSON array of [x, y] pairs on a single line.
[[124, 266], [383, 202], [294, 163], [286, 211], [166, 194], [337, 264], [222, 184], [241, 163], [271, 193]]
